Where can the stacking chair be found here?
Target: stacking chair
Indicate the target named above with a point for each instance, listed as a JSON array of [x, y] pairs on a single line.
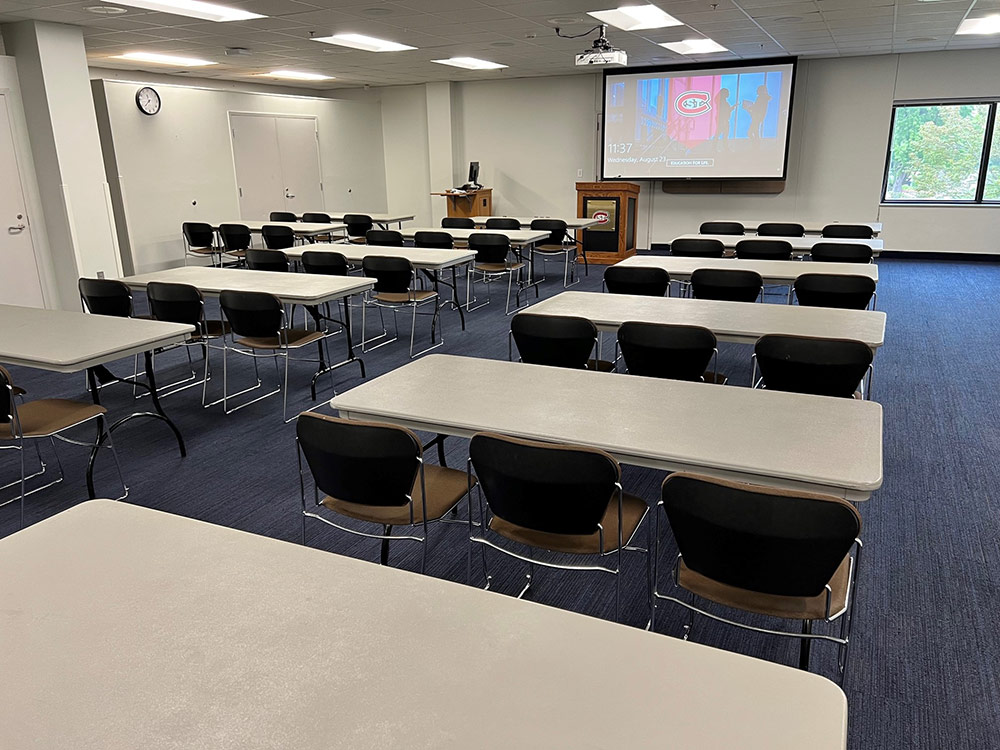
[[804, 364], [267, 260], [840, 252], [558, 243], [697, 248], [492, 262], [502, 222], [236, 240], [834, 290], [316, 217], [358, 225], [646, 282], [394, 290], [200, 242], [732, 284], [764, 250], [775, 552], [277, 236], [282, 216], [722, 227], [47, 419], [258, 329], [556, 341], [559, 499], [329, 263], [182, 303], [384, 238], [780, 229], [373, 473], [433, 240], [674, 352], [849, 231], [106, 297], [457, 222]]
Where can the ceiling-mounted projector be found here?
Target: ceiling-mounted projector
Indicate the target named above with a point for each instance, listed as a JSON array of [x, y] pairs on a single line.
[[601, 52]]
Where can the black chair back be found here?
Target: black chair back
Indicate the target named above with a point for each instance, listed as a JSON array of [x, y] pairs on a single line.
[[277, 237], [176, 303], [267, 260], [849, 231], [840, 252], [780, 229], [235, 237], [489, 248], [764, 250], [6, 399], [252, 314], [359, 462], [457, 222], [434, 240], [555, 227], [498, 222], [657, 350], [358, 224], [697, 248], [647, 282], [554, 340], [198, 234], [282, 216], [732, 284], [316, 217], [324, 262], [722, 227], [803, 364], [106, 297], [554, 489], [384, 238], [392, 275], [764, 539], [832, 290]]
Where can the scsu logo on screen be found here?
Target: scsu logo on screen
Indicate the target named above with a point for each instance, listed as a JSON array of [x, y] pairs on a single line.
[[693, 103]]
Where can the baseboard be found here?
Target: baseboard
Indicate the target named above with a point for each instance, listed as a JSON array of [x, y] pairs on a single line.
[[939, 255]]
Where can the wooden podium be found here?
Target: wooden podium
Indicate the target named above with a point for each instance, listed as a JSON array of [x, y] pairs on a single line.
[[470, 203], [613, 204]]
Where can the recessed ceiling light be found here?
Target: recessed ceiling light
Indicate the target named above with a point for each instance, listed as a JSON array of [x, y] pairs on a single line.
[[694, 47], [470, 63], [565, 20], [105, 10], [192, 9], [156, 57], [362, 42], [984, 25], [296, 75], [377, 11], [635, 17]]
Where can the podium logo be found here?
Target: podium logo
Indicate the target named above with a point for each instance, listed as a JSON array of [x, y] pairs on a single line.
[[603, 217], [693, 103]]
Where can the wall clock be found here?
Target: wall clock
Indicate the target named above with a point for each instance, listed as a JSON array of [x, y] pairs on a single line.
[[147, 100]]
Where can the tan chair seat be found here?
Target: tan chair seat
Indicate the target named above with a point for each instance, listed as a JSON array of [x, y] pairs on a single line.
[[600, 365], [48, 416], [497, 267], [16, 390], [294, 338], [552, 248], [401, 298], [358, 240], [202, 250], [445, 487], [715, 377], [793, 607], [633, 511]]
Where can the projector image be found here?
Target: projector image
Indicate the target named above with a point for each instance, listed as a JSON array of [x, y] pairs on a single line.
[[602, 57]]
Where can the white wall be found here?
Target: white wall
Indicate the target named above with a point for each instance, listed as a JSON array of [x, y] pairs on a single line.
[[178, 165]]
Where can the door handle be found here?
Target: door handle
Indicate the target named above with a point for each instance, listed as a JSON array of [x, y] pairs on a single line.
[[16, 229], [289, 195]]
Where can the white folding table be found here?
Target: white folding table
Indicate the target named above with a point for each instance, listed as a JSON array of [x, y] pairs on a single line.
[[811, 227], [800, 245], [301, 229], [772, 271], [381, 218], [572, 222], [132, 628], [66, 341], [517, 237], [782, 439]]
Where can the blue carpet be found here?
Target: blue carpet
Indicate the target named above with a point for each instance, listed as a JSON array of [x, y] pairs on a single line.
[[923, 665]]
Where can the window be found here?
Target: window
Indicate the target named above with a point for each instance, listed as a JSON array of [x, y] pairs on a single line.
[[943, 153]]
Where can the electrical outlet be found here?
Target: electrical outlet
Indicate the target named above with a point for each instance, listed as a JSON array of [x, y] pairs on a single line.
[[100, 274], [579, 173]]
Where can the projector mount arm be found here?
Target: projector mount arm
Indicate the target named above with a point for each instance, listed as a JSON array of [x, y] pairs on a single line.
[[601, 43]]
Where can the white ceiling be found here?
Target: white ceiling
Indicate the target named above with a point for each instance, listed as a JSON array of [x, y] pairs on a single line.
[[518, 33]]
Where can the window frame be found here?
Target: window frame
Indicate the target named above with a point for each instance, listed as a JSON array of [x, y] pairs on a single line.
[[984, 157]]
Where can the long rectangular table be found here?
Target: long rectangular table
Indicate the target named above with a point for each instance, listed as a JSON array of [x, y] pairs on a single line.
[[66, 341], [772, 271], [729, 321], [782, 439], [811, 227], [132, 628], [301, 229], [308, 290], [572, 222], [378, 217], [799, 244], [517, 237]]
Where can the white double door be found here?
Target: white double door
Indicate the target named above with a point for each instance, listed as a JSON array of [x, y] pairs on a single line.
[[277, 164], [20, 282]]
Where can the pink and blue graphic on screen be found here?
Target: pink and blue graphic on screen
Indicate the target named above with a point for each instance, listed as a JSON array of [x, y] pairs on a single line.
[[695, 109]]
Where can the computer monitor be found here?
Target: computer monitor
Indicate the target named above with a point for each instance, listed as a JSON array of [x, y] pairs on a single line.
[[474, 173]]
